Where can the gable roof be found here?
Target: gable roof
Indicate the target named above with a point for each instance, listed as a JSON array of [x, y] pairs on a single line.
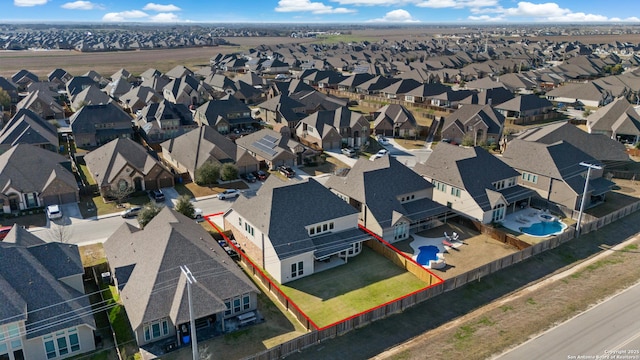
[[27, 127], [268, 144], [147, 265], [619, 116], [471, 113], [468, 169], [29, 168], [109, 160], [283, 210], [599, 146], [524, 103], [396, 115], [19, 236], [84, 121], [31, 290], [379, 183]]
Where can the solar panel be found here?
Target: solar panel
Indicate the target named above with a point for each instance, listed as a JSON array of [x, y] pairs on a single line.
[[268, 149], [270, 139]]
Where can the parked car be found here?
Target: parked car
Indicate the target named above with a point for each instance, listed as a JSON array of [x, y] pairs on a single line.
[[260, 175], [379, 154], [54, 212], [286, 171], [383, 140], [131, 212], [229, 193], [156, 195], [4, 231], [197, 214], [350, 152], [249, 177]]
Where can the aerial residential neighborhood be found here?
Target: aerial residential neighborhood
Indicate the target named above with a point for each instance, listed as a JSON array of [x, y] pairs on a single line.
[[274, 199]]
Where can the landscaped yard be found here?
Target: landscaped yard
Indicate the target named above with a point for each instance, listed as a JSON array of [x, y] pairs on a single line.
[[95, 206], [194, 190], [120, 323], [329, 166], [366, 281]]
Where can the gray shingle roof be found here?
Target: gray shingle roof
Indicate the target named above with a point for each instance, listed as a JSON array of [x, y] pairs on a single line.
[[379, 183], [472, 113], [108, 161], [27, 127], [28, 168], [147, 265], [85, 120], [29, 281], [283, 209], [619, 116]]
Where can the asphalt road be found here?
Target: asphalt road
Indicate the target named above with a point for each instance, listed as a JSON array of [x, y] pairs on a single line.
[[609, 330]]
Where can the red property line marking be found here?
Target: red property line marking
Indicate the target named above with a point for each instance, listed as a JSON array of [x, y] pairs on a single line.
[[440, 281], [237, 250]]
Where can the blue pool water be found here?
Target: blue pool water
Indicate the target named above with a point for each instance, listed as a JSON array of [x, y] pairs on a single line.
[[427, 253], [544, 228]]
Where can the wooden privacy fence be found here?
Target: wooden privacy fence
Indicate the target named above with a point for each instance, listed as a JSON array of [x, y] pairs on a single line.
[[435, 288]]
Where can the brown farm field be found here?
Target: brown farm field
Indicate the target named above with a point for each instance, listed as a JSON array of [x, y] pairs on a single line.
[[136, 62]]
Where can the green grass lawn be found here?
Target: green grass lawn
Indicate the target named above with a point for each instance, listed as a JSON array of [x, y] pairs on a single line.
[[366, 281], [84, 174]]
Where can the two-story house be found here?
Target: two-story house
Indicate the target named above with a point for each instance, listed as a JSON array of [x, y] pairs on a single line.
[[226, 114], [391, 199], [479, 124], [473, 183], [95, 125], [164, 120], [295, 229], [333, 129]]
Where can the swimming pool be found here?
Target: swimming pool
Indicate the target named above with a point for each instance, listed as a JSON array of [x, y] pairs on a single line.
[[427, 253], [544, 228]]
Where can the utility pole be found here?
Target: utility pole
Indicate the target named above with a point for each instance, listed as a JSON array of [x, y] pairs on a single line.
[[584, 193], [191, 280]]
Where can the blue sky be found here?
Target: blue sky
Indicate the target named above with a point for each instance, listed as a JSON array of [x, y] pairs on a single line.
[[322, 11]]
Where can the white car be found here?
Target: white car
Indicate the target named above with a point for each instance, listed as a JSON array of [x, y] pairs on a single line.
[[229, 193], [383, 140], [379, 154], [54, 212]]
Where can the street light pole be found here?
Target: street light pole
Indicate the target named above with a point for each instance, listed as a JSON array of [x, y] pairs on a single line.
[[191, 280], [584, 193]]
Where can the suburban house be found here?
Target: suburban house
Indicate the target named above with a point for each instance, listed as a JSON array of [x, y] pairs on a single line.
[[475, 123], [24, 78], [391, 199], [44, 308], [226, 114], [333, 129], [525, 108], [295, 229], [91, 95], [588, 94], [425, 92], [396, 121], [282, 110], [27, 127], [123, 165], [42, 103], [79, 83], [601, 147], [95, 125], [164, 120], [272, 148], [451, 98], [494, 96], [139, 97], [618, 120], [186, 90], [555, 173], [32, 177], [10, 88], [473, 183], [187, 152], [153, 289]]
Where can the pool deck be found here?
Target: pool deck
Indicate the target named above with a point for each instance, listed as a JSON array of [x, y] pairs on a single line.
[[419, 241], [524, 218]]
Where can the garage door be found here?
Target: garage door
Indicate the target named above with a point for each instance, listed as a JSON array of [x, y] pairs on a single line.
[[50, 200], [68, 198], [166, 182]]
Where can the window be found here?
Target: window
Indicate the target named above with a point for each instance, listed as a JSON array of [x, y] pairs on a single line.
[[455, 191], [240, 221], [228, 305], [156, 329], [499, 185], [330, 226], [400, 230], [530, 177], [49, 347], [246, 302], [325, 227], [312, 231], [498, 212], [440, 186], [74, 342], [511, 182], [318, 229], [236, 305], [297, 269], [63, 343]]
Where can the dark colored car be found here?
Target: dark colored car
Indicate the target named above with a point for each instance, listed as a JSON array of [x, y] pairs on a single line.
[[156, 195], [286, 171], [249, 177], [260, 175]]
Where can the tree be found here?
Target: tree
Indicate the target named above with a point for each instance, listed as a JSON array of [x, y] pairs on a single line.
[[185, 207], [207, 174], [121, 191], [5, 99], [229, 172], [586, 113], [148, 212], [60, 232]]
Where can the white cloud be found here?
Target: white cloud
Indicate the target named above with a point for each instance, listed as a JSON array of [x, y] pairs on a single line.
[[124, 15], [80, 5], [536, 10], [486, 18], [458, 4], [396, 16], [164, 17], [308, 6], [374, 2], [29, 3], [547, 12], [161, 8]]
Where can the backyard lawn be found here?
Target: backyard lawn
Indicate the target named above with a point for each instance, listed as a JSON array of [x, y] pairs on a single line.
[[366, 281]]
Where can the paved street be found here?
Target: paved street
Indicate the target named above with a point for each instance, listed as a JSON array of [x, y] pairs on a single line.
[[607, 331]]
